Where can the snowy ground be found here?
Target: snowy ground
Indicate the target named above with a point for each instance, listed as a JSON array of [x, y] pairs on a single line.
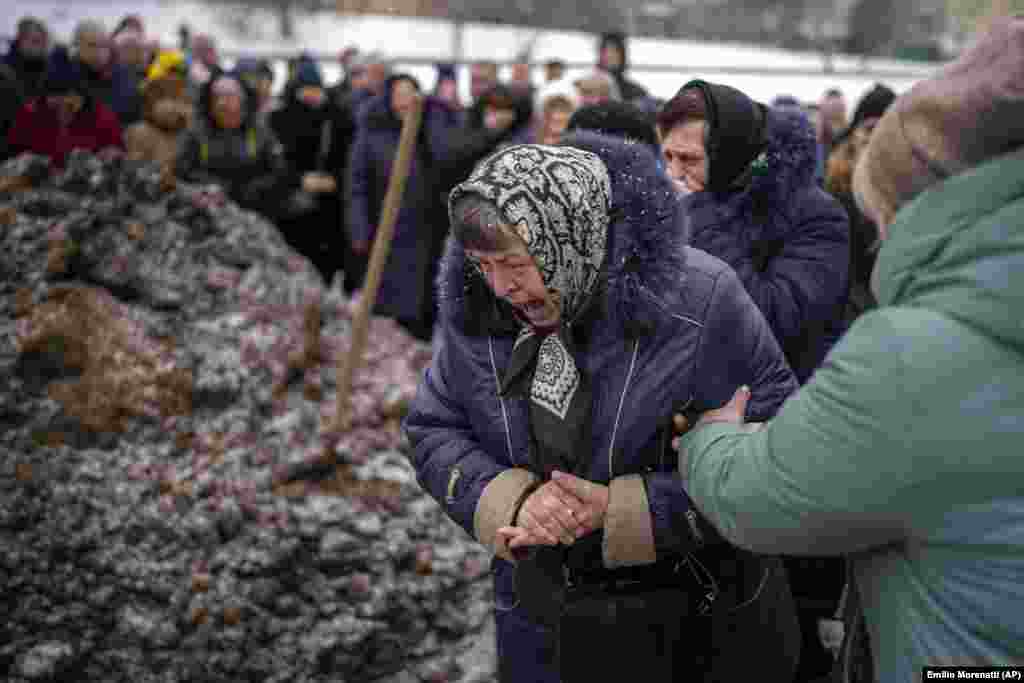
[[328, 33]]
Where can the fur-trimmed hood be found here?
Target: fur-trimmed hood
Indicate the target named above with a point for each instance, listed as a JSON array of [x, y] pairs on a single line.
[[766, 199], [645, 258]]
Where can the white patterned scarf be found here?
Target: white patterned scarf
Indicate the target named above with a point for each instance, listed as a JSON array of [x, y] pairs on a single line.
[[558, 201]]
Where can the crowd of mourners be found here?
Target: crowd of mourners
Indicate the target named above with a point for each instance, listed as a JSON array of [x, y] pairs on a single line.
[[732, 389]]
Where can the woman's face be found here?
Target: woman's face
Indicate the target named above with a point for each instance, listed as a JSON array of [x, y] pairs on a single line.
[[556, 120], [685, 157], [496, 118], [611, 57], [311, 95], [94, 50], [227, 111], [513, 276], [403, 94]]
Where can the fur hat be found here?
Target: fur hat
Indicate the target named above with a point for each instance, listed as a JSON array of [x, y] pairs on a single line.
[[617, 119], [968, 113]]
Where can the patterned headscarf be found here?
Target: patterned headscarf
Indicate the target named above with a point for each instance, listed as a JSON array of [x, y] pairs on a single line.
[[557, 199]]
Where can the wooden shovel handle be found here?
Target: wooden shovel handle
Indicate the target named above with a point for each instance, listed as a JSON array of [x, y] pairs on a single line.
[[349, 363]]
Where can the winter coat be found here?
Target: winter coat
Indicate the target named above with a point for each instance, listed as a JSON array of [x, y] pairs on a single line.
[[11, 101], [31, 74], [99, 84], [319, 233], [248, 162], [904, 450], [404, 291], [126, 94], [37, 130], [675, 329], [787, 240]]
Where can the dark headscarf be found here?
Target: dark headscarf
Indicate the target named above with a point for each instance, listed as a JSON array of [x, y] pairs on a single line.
[[618, 119], [872, 106], [736, 134]]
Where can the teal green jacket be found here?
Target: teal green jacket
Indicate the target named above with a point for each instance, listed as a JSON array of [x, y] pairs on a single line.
[[905, 450]]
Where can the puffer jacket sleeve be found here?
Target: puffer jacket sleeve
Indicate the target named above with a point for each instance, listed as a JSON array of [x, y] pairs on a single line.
[[478, 492], [736, 348], [360, 179], [831, 473], [801, 282]]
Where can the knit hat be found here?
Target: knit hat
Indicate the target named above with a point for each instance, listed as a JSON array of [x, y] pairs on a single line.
[[167, 62], [27, 24], [307, 73], [970, 112], [63, 76], [786, 101], [361, 61], [445, 71], [563, 88], [618, 119]]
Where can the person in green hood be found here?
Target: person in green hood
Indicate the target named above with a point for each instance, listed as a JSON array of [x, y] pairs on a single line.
[[905, 450]]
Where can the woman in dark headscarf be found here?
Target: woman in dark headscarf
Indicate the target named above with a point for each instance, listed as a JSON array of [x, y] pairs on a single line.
[[574, 324]]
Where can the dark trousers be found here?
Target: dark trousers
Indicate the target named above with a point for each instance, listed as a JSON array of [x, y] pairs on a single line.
[[760, 640]]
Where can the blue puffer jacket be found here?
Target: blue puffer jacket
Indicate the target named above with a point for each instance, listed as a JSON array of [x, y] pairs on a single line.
[[407, 274], [676, 329], [788, 241]]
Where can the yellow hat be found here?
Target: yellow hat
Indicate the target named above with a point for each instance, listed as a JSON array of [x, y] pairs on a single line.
[[168, 62]]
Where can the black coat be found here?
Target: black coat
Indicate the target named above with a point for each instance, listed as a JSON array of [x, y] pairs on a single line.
[[30, 74], [11, 99], [317, 140]]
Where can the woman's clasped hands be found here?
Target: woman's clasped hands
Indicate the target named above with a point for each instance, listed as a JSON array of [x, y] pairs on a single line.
[[560, 511]]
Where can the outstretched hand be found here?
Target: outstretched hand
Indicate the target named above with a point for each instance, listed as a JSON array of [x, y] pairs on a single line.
[[733, 412]]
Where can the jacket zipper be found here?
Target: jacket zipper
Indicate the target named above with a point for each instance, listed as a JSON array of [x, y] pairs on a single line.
[[453, 479], [618, 415], [691, 518], [501, 401]]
